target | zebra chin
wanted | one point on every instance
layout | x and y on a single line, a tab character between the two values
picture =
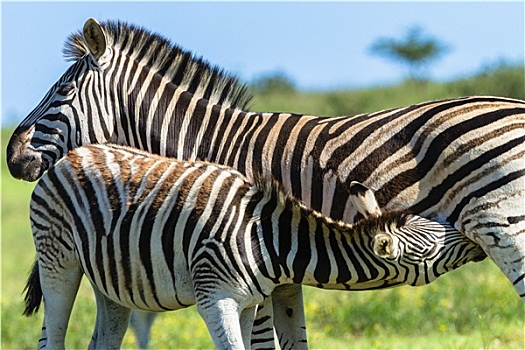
429	272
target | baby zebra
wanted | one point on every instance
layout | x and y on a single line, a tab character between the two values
158	234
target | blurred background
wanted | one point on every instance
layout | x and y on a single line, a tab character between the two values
338	58
312	47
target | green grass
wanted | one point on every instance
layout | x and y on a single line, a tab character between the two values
470	308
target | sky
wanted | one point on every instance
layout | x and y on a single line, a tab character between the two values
320	46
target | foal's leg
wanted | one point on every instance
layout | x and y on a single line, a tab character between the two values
289	319
111	324
246	321
141	323
59	289
283	310
222	317
263	334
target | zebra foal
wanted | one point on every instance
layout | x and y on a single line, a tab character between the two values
158	234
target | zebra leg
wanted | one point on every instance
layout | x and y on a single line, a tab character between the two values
246	322
42	341
289	319
59	289
263	334
222	317
111	323
141	323
507	252
496	222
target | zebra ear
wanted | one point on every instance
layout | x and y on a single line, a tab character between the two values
95	38
364	199
383	245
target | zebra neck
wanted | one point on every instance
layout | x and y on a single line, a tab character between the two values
252	142
163	118
315	250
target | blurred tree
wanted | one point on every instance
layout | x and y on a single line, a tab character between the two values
415	50
275	82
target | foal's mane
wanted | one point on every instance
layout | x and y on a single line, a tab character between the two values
183	68
270	188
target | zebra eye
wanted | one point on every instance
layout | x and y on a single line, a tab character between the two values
66	89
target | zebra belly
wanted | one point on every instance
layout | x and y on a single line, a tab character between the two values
139	280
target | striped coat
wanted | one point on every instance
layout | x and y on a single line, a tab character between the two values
159	234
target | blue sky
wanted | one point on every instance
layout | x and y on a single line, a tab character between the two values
319	45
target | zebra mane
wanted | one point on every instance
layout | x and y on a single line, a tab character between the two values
183	68
366	226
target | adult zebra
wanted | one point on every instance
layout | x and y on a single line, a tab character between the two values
458	161
161	234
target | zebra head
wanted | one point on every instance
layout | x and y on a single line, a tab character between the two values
124	87
70	114
425	247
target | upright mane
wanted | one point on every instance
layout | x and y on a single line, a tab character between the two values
183	68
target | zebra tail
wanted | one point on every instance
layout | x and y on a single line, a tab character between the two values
33	289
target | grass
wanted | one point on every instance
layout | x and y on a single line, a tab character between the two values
470	308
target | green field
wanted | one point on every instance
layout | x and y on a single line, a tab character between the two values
473	307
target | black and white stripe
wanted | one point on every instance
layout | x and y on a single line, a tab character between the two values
458	161
158	234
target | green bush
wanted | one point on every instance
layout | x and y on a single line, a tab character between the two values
502	79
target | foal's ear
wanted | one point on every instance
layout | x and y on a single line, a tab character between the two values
364	199
95	38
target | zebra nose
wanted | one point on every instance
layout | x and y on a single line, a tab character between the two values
22	164
12	155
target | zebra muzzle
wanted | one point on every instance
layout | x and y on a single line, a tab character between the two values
23	163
